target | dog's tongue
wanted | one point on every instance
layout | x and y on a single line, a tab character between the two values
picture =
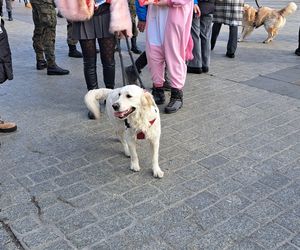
120	114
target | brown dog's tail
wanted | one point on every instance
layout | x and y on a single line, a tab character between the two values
289	9
92	99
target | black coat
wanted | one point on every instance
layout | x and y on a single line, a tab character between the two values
6	71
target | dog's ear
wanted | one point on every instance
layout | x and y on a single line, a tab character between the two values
147	100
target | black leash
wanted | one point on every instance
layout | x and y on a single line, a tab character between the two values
132	61
257	4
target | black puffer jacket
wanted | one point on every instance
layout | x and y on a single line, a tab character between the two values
6	71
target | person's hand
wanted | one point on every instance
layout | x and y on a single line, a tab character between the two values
197	10
141	26
147	2
161	2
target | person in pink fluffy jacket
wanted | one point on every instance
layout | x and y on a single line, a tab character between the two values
168	42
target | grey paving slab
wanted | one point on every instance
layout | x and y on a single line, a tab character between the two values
230	155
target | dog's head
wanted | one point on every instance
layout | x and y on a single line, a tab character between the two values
249	13
130	99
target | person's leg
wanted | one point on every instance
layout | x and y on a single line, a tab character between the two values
73	52
194	66
107	55
205	35
232	41
297	51
156	65
88	48
37	38
48	15
1	7
215	33
9	9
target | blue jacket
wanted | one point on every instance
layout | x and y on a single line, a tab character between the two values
141	11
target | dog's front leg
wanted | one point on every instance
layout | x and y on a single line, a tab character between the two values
121	134
157	172
134	164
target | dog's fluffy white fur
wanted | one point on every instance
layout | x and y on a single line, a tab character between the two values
137	107
272	19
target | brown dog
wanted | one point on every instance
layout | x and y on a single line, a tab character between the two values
272	19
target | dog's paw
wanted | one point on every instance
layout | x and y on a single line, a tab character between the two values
158	173
135	167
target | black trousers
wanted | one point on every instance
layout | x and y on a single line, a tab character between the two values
232	40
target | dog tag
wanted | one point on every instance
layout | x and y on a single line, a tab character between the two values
140	136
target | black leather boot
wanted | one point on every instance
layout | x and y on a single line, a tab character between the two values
176	101
134	47
9	16
56	70
90	75
73	52
41	64
158	95
109	75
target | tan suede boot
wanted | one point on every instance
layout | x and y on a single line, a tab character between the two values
7	127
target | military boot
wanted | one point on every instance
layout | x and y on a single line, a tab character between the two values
41	64
176	101
56	70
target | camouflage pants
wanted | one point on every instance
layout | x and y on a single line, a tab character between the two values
44	19
131	4
70	40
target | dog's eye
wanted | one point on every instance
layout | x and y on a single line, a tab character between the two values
128	96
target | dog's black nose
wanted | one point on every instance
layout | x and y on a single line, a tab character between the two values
116	106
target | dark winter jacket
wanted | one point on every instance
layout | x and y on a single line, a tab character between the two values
6	71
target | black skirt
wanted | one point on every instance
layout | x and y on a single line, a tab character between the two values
96	27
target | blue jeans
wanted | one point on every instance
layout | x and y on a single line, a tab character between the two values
201	34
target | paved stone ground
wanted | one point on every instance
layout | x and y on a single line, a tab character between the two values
231	156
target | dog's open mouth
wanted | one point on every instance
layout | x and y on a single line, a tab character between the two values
124	114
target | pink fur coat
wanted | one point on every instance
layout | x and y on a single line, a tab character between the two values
82	10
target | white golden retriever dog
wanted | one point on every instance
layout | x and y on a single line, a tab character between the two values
134	114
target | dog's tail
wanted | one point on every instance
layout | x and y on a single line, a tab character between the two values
289	9
92	99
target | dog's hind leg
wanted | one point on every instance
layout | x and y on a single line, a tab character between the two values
271	34
157	172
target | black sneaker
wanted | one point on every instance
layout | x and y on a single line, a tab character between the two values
297	52
194	70
41	64
230	55
75	53
55	70
158	95
176	101
205	69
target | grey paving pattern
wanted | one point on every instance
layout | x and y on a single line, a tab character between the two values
231	156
